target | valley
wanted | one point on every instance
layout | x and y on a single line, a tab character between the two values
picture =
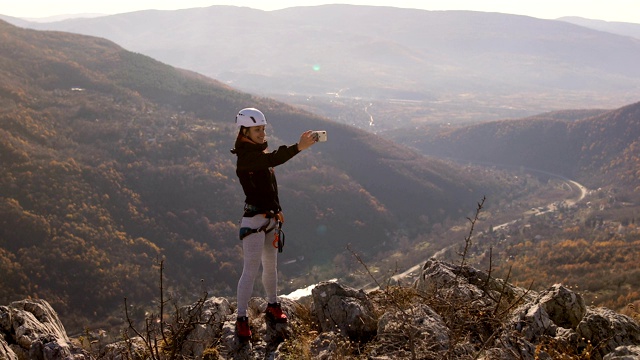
571	194
587	239
445	111
104	183
577	194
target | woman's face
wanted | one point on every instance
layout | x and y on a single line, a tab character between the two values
257	134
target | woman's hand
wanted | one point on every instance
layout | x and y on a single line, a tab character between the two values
306	140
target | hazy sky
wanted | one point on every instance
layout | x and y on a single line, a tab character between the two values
609	10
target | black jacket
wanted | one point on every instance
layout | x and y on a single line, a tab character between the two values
255	171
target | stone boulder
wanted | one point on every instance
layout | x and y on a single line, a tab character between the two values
207	321
452	312
31	329
628	352
344	310
467	284
419	328
552	316
134	349
564	307
5	350
553	308
555	316
608	330
559	316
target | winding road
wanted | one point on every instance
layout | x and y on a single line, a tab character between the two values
574	185
572	200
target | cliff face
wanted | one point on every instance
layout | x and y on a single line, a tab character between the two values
450	312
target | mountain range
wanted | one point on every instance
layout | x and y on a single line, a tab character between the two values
597	147
113	161
614	27
453	66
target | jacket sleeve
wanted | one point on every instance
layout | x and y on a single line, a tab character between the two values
256	160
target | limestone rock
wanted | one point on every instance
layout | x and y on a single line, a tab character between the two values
628	352
607	330
564	307
5	350
452	312
134	349
31	329
207	323
553	308
344	310
419	326
467	284
440	278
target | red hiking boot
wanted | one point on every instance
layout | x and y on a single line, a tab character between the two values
243	331
275	314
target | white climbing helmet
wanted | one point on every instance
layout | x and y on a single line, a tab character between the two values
250	117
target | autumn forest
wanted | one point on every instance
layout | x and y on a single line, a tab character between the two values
112	162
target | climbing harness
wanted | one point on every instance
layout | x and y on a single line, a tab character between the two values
246	231
251	211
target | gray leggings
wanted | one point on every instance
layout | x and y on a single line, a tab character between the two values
257	248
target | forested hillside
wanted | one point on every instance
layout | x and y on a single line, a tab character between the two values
591	246
599	148
112	161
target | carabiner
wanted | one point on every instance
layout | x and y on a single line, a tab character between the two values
278	238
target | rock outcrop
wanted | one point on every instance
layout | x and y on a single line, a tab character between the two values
451	312
343	310
31	329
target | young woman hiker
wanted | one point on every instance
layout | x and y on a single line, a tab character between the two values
262	211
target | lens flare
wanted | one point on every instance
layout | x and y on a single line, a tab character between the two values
321	229
316	67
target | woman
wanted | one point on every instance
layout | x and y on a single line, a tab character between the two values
261	211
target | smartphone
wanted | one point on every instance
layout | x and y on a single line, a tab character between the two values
320	135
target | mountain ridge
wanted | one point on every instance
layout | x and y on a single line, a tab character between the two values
615	27
595	147
443	55
112	161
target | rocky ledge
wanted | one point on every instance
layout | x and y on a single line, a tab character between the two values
450	312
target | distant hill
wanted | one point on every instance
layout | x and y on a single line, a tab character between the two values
597	147
614	27
16	21
454	66
25	21
112	161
